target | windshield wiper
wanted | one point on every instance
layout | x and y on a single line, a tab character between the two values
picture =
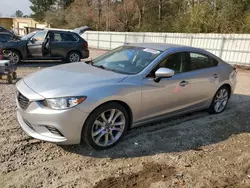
108	69
102	67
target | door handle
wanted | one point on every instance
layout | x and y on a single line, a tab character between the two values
184	83
216	76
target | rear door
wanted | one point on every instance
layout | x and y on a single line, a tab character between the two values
204	78
35	44
61	43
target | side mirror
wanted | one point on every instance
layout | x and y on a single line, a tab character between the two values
163	73
32	40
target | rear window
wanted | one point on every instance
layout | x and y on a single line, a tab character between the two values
68	37
64	37
199	61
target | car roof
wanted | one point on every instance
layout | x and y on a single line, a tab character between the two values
159	46
60	31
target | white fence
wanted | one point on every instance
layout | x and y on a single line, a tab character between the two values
232	48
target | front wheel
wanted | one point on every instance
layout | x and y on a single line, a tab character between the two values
105	126
220	100
15	57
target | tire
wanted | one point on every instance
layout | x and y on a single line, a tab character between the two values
15	57
73	56
219	105
9	79
95	131
14	75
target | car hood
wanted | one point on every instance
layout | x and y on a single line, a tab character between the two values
70	79
3	29
11	44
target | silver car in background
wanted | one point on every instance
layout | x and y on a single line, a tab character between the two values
126	87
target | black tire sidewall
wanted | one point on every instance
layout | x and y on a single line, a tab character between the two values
87	129
212	106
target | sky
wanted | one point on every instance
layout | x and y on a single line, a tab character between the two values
9	7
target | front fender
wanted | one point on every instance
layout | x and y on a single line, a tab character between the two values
127	93
20	46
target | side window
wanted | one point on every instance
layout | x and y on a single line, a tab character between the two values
40	36
199	61
177	62
68	37
57	37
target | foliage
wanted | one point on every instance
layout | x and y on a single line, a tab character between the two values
191	16
18	14
39	7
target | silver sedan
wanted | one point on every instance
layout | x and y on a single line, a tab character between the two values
131	85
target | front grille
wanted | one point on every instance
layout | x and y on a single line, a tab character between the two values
23	101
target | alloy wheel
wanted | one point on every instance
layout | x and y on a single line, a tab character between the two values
108	127
74	57
221	100
14	57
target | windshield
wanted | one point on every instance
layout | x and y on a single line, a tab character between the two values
127	59
29	36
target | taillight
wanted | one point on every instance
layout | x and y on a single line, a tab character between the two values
85	44
1	54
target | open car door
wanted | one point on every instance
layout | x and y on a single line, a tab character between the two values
35	44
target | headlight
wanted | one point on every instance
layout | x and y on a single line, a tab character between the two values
63	103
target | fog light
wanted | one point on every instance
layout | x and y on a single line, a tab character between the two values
53	130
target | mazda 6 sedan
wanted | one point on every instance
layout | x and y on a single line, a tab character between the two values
132	85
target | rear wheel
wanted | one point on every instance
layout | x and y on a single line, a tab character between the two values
220	100
105	126
73	57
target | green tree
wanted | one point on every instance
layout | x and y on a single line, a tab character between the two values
18	13
40	7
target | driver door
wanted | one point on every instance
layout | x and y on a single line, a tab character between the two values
35	44
170	95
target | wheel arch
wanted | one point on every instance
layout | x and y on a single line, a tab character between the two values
75	50
123	104
15	50
229	88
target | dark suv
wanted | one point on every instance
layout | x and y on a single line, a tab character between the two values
48	45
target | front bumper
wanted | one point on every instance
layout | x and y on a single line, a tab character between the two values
57	126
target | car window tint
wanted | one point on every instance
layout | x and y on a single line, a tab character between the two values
199	61
40	36
5	37
68	37
177	62
57	37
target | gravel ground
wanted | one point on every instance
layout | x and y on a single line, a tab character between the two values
195	150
